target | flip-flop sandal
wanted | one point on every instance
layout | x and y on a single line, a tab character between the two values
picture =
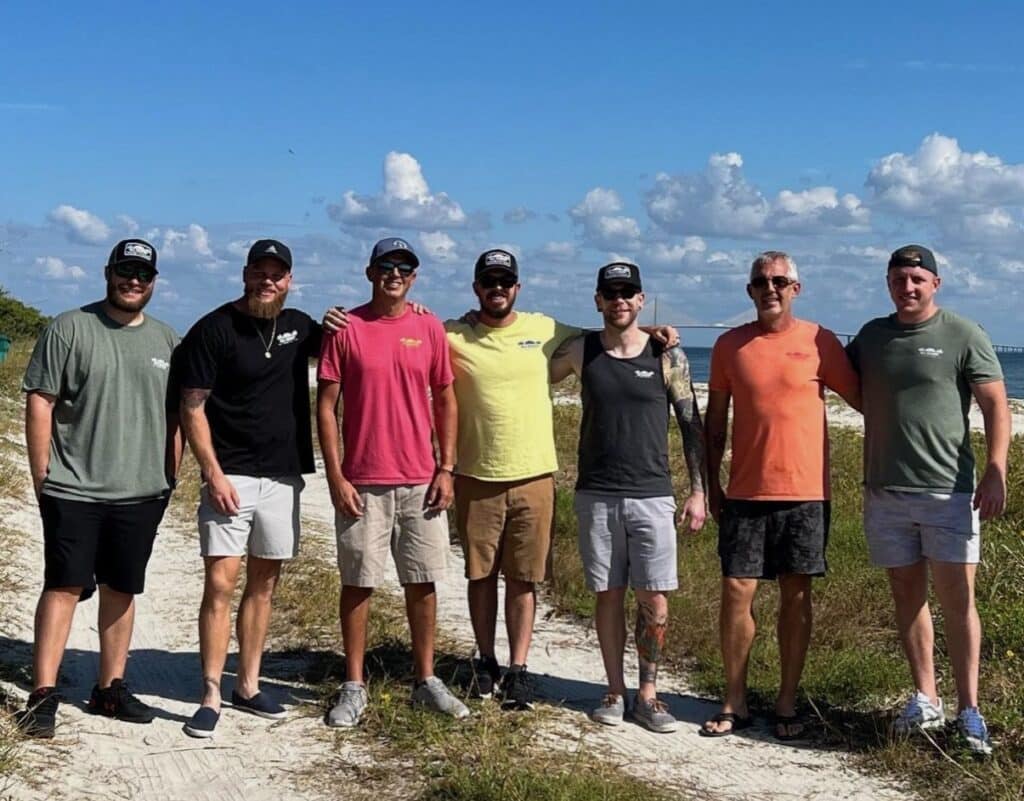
738	724
787	721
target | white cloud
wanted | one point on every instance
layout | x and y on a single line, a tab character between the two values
439	246
519	215
52	267
170	243
406	202
664	253
820	207
558	251
80	225
603	226
127	224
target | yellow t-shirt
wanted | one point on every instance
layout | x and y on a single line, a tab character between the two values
501	383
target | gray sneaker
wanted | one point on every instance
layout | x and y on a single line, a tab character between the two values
654	715
611	712
919	713
433	695
351	704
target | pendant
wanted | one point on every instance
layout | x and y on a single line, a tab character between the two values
266	354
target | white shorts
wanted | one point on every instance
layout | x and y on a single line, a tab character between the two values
267	523
903	527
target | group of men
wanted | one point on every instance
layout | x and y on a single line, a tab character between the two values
105	398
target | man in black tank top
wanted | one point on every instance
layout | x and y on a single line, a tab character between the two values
624	496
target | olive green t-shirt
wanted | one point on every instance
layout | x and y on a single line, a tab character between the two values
915	384
109	421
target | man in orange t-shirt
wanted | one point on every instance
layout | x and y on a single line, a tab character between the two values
774	518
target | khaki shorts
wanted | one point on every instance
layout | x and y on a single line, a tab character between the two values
904	527
394	517
506	525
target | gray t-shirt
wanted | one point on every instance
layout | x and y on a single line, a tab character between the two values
109	421
915	383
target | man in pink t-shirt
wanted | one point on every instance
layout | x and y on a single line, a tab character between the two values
391	369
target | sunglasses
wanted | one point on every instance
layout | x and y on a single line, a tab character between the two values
141	273
778	281
492	281
385	267
626	293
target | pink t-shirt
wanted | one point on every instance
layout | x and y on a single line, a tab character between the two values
387	368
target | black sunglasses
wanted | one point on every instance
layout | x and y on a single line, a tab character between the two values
405	270
778	281
492	281
626	293
140	272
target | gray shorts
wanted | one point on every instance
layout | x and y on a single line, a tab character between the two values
627	541
267	523
395	518
904	527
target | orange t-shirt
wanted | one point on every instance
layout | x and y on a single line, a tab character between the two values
777	383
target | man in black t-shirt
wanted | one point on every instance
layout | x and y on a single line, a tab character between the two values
245	408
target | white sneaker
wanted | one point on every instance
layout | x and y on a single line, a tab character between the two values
919	713
433	695
972	728
350	706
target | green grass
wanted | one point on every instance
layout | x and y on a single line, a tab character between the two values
856	673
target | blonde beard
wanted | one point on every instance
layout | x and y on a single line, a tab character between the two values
265	310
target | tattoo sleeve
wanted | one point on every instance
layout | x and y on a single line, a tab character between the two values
684	402
650	641
193	399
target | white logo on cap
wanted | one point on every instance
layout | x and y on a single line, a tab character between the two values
498	258
138	251
398	243
617	271
271	249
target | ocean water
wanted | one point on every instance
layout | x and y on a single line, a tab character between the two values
1013	369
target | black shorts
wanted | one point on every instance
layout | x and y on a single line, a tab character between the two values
85	544
765	539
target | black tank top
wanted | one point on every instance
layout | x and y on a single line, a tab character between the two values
624	429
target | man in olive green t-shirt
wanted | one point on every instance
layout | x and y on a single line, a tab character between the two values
919	369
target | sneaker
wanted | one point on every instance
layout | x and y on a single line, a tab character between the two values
202	723
919	713
654	715
39	717
611	712
433	695
517	688
486	674
349	708
972	728
117	701
260	704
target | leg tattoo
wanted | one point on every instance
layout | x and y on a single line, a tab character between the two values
650	641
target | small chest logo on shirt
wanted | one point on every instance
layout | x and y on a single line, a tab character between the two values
287	338
930	353
798	355
410	342
529	343
160	364
644	373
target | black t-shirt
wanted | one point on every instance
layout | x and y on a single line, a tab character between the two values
258	407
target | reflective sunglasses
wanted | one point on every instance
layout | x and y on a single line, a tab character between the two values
626	293
140	272
778	281
385	267
492	281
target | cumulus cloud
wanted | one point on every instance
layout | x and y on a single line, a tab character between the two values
678	253
127	224
52	267
558	251
439	246
171	243
603	227
80	225
405	202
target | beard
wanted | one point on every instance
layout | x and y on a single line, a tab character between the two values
621	323
264	309
125	305
499	313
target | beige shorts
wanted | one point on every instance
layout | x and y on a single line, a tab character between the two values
506	525
394	517
267	523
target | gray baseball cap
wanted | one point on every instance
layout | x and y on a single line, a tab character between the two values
394	245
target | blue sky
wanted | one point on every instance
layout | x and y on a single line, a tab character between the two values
684	137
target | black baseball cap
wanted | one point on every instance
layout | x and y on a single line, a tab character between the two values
269	249
394	245
619	272
138	251
496	259
913	256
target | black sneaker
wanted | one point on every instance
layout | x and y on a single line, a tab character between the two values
486	674
517	688
117	702
39	717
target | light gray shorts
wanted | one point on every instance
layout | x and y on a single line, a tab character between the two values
267	523
903	527
627	541
394	517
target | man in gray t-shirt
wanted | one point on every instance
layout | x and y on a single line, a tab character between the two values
103	452
919	369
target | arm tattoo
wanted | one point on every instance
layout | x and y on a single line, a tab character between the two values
684	402
193	399
650	641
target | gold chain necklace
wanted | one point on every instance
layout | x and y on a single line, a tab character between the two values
266	344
